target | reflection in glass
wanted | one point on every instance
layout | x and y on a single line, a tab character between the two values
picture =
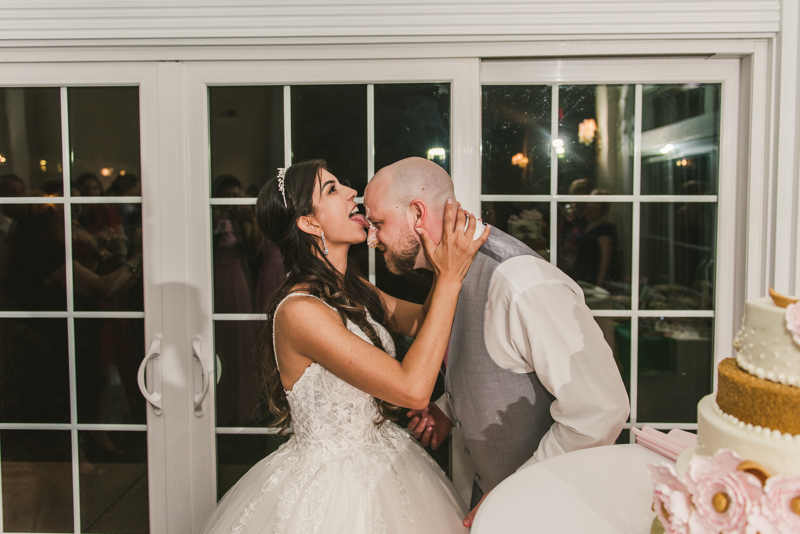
236	454
113	482
36	480
617	332
330	122
676	366
248	268
678	250
32	264
104	140
516	139
594	249
107	254
527	221
412	120
107	356
239	393
30	141
246	126
596	136
680	139
34	371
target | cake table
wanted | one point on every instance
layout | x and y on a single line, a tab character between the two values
603	490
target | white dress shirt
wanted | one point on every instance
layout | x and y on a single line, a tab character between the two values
536	320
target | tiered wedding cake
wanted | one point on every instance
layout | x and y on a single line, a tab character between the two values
756	410
744	475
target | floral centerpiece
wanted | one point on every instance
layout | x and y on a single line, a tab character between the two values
724	494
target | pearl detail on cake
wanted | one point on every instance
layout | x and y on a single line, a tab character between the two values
756	429
775	375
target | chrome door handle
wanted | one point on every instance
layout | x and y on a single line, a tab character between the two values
155	397
205	377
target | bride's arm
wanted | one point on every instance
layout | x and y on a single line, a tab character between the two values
312	331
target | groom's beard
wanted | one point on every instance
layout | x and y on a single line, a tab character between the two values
402	261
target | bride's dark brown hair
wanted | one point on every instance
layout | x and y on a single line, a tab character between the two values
308	267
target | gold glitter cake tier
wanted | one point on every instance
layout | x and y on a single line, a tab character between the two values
758	402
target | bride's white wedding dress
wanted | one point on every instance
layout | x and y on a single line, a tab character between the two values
340	473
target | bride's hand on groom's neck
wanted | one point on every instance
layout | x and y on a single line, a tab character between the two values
451	258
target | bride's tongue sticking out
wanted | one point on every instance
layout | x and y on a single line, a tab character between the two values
360	219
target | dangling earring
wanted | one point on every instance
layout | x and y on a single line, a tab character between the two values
324	246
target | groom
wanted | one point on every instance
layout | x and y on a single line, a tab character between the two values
528	374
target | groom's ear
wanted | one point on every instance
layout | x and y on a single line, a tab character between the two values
420	211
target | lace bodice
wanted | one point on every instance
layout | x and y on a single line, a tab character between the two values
329	412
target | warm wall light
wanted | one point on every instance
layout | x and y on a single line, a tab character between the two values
106	171
122	172
43	164
2	158
587	131
436	153
519	160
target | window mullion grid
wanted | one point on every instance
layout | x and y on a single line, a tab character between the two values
553	176
73	384
371	164
636	241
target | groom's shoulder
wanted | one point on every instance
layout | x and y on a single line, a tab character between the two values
519	274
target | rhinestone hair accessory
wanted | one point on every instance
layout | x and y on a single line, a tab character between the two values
281	187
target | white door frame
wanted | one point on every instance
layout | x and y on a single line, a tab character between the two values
144	75
462	74
732	181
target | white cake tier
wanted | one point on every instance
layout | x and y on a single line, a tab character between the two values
715	431
764	344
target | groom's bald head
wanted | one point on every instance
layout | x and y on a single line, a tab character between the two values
403	196
410	179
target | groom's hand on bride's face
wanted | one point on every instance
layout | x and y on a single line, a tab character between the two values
430	426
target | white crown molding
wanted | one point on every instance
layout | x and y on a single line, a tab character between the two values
175	22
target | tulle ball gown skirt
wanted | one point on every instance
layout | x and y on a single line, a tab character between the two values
386	485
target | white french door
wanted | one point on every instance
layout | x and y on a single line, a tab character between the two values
622	172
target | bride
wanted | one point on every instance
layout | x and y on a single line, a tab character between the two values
331	373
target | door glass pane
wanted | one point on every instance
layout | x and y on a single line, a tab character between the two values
516	139
104	140
680	139
246	125
30	141
113	482
37	481
330	122
103	275
594	249
32	264
676	362
596	130
34	371
678	251
247	267
239	395
527	221
412	119
107	254
107	356
617	333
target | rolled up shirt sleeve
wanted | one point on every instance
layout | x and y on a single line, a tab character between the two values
536	320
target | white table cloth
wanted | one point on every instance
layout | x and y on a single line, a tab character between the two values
605	490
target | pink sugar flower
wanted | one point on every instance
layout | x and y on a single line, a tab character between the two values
779	492
671	500
793	321
724	498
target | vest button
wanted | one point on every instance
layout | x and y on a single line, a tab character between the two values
458	424
449	396
466	451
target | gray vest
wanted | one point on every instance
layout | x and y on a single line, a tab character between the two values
502	415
